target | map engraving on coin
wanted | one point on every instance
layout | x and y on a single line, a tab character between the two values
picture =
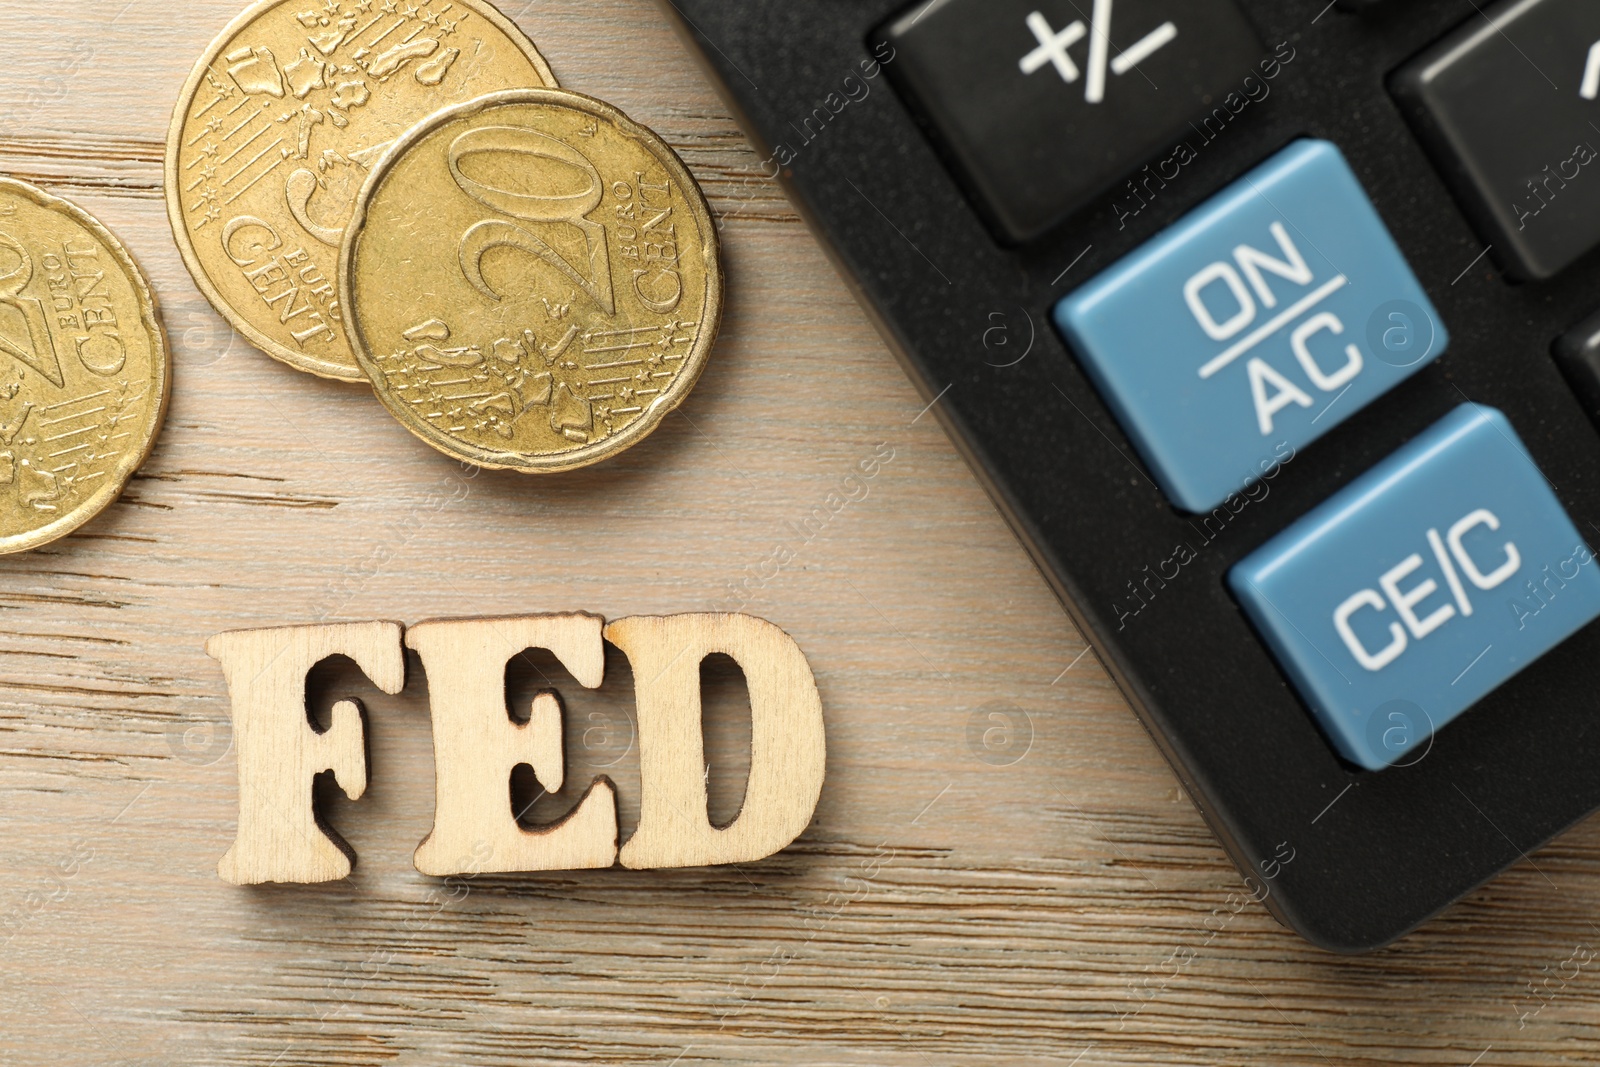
275	133
533	281
84	367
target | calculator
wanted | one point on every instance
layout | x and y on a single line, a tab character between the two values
1273	329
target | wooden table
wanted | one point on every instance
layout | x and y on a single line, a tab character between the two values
1002	870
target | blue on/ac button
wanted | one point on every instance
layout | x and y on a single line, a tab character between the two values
1421	586
1263	319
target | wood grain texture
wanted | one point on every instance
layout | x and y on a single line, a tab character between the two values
787	755
477	746
281	837
1001	870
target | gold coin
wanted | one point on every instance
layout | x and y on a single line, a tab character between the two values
274	134
532	280
83	367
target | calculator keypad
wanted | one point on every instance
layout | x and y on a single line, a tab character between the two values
1509	107
1041	104
1146	583
1255	325
1421	587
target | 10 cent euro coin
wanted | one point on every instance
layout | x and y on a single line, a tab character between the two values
532	280
276	130
84	367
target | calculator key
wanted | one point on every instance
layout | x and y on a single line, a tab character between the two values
1509	106
1041	104
1578	355
1253	326
1420	587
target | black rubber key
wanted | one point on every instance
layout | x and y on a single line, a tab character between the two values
1509	107
1041	104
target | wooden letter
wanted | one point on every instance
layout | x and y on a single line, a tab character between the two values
476	746
787	753
280	752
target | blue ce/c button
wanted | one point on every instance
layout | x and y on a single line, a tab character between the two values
1265	318
1421	586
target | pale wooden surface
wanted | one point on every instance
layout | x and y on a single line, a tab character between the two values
477	747
786	757
281	838
941	910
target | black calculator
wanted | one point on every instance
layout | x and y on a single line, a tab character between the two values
1273	328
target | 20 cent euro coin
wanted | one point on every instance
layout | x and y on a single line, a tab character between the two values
276	130
84	367
532	280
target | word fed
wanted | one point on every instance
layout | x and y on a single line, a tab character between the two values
477	743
